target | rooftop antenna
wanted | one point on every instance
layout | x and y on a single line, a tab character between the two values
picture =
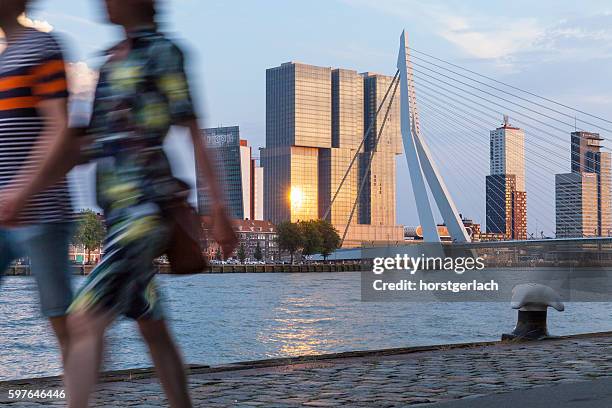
506	121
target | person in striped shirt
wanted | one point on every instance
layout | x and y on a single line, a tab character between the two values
143	91
33	114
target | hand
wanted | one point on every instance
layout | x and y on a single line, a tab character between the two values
11	203
223	231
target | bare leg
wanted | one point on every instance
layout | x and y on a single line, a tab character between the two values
167	360
86	331
60	328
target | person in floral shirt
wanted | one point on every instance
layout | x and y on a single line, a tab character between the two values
142	92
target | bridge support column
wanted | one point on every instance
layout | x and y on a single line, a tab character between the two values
420	163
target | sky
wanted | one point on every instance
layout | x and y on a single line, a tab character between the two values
560	49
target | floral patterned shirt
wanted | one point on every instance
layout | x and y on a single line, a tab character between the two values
138	97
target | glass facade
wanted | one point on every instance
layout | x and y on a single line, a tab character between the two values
507	153
499	204
277	180
257	192
298	106
280	106
506	199
375	87
224	145
315	119
379	188
506	209
333	164
586	158
302	193
347	109
576	205
312	106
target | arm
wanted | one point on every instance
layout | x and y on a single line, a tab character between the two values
167	65
55	151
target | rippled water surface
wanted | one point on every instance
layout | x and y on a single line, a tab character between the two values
227	318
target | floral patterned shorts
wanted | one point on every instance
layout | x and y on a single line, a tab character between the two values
123	283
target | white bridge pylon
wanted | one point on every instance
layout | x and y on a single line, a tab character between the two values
420	162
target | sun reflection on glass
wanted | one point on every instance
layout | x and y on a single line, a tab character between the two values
296	197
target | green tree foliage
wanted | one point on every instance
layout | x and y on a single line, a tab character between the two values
258	254
241	253
218	254
330	240
90	232
311	236
289	238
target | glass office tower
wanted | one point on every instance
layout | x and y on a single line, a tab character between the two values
315	122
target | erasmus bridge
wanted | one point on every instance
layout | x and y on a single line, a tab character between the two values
437	98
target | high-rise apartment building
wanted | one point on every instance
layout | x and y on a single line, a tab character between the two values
576	205
234	166
582	197
586	147
507	152
506	198
506	207
315	122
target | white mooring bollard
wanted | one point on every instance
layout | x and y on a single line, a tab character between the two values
532	301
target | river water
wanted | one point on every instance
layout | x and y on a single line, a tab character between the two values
237	317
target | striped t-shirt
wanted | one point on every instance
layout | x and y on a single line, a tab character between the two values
32	70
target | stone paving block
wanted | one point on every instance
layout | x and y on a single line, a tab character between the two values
402	380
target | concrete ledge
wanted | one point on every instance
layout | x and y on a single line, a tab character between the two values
146	373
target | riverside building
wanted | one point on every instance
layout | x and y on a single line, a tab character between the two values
240	177
251	233
506	199
582	197
316	118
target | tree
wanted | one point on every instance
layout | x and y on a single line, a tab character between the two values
218	254
241	254
311	236
330	238
289	237
90	232
257	254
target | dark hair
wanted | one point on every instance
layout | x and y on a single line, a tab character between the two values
150	9
25	4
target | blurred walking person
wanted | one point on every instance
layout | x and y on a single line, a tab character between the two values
33	115
142	92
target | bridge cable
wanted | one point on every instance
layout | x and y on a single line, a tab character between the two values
497	190
486	107
506	92
537	164
428	97
491	102
363	140
513	87
367	171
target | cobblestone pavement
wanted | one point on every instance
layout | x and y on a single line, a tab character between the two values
413	377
